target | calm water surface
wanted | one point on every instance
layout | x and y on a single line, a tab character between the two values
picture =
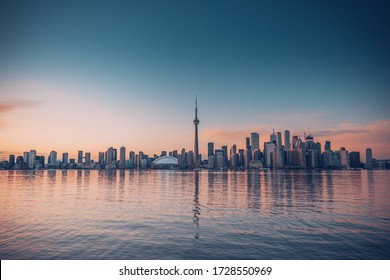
79	214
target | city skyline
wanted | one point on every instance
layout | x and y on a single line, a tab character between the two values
87	76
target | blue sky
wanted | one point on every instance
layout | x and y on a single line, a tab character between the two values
298	65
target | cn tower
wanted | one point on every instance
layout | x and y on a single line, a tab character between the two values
196	122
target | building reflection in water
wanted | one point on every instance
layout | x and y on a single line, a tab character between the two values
196	209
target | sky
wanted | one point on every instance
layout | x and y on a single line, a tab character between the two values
88	75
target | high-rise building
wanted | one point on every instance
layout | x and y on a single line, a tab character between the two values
11	161
140	158
110	155
101	158
287	143
255	142
65	158
132	157
327	146
248	147
272	137
196	144
80	157
279	141
354	160
210	149
247	143
122	158
220	158
114	155
225	153
268	149
344	158
53	157
368	158
233	149
31	159
26	158
295	142
87	158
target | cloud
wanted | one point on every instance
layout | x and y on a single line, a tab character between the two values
8	106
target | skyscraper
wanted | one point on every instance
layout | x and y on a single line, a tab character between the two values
65	158
53	157
327	146
287	143
87	158
196	123
247	143
279	141
255	141
272	137
354	160
31	159
122	158
80	157
368	158
210	149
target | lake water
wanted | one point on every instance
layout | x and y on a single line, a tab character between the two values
75	214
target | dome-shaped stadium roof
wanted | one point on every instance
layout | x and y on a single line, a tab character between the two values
165	160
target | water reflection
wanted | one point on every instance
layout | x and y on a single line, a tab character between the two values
196	208
246	214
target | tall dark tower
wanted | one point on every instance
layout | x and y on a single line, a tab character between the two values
196	150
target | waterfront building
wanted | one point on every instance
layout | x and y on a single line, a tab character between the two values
268	149
190	159
344	158
65	158
255	142
140	159
234	160
295	142
241	161
165	162
25	159
53	158
368	158
87	158
211	162
101	158
247	143
132	157
279	143
210	149
31	159
354	160
114	155
80	157
122	157
39	162
327	146
233	150
287	142
225	154
272	137
11	161
247	157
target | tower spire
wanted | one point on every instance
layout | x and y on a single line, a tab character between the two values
196	122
